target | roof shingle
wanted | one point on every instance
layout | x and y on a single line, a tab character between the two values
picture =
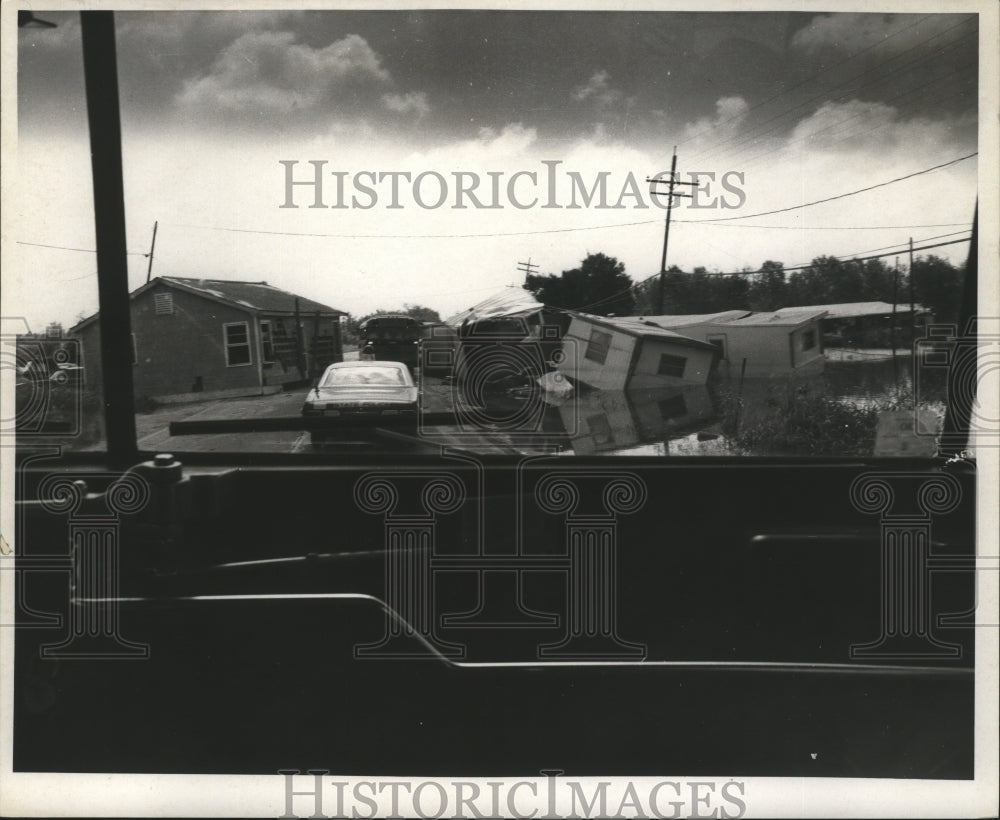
254	295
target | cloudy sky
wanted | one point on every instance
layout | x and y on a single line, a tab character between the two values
530	112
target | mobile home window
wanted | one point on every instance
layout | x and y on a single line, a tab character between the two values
266	342
237	344
809	340
671	365
598	346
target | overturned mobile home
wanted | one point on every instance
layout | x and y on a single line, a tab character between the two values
613	353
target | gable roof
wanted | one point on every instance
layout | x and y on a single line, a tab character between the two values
255	297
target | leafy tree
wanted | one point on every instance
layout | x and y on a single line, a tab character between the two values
877	281
728	293
647	293
695	292
937	285
827	281
424	314
600	286
767	291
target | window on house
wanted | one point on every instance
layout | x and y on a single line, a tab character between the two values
135	352
266	342
163	304
598	346
237	344
809	340
671	365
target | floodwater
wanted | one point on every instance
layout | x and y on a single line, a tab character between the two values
860	379
708	420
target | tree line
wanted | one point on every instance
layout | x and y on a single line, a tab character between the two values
601	286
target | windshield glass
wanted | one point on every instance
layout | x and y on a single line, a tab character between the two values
781	285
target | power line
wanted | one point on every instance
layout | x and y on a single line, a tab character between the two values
587	228
792	269
421	236
843	196
829	227
64	248
844	258
898	244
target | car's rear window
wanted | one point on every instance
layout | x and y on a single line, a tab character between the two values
388	376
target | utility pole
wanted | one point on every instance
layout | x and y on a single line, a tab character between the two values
671	183
895	296
913	307
152	247
892	331
526	268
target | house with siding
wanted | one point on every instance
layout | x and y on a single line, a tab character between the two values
628	353
211	338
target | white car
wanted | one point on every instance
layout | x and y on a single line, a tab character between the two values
364	389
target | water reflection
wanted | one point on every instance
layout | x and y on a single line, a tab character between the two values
796	416
614	422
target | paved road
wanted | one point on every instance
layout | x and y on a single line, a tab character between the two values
154	433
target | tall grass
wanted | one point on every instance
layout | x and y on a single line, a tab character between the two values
797	422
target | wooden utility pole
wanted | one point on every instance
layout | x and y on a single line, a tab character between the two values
892	331
300	352
100	73
895	296
671	183
527	268
152	247
913	307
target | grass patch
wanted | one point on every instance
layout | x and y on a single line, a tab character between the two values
797	422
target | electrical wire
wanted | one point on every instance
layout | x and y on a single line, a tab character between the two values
841	196
792	269
81	250
587	228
